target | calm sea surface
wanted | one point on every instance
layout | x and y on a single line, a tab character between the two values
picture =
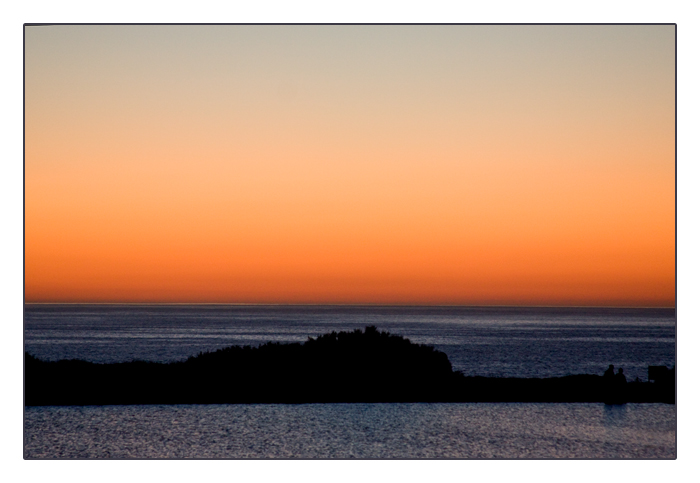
476	430
515	342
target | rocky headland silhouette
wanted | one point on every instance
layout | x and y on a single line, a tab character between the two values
357	366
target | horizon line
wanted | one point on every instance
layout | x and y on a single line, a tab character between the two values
357	305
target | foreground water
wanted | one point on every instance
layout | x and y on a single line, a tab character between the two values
476	430
486	341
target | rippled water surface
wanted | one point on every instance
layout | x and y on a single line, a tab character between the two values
469	430
486	341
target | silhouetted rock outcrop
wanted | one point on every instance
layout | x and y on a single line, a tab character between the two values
369	366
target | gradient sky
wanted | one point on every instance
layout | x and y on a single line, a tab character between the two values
489	165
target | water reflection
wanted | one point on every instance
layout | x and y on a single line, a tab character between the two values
614	415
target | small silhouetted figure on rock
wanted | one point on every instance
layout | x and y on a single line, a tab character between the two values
620	387
609	372
608	383
620	379
615	386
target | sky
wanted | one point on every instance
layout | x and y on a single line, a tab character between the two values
475	165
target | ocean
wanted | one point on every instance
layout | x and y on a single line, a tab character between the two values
485	341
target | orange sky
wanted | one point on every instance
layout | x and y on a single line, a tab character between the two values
504	165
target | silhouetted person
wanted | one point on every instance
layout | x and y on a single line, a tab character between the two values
609	385
620	379
609	372
617	390
614	386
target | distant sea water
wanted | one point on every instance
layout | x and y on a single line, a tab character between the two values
486	341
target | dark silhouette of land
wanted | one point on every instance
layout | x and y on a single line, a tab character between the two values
369	366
